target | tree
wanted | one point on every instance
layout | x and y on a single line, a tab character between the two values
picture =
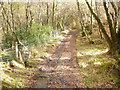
113	40
118	33
47	12
82	22
91	17
98	14
53	14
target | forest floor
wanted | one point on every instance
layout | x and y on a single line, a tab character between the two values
60	68
74	63
97	67
69	61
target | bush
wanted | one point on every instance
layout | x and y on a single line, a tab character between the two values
36	34
39	33
7	41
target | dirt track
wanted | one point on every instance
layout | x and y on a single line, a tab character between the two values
61	69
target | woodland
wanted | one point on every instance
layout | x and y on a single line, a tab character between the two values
60	44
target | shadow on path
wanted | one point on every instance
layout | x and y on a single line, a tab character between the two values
61	68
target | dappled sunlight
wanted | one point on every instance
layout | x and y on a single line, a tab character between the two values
6	78
82	64
1	74
67	44
85	73
70	36
60	37
80	54
58	42
16	78
64	43
97	63
40	59
12	82
54	58
66	55
65	58
65	31
62	67
95	52
17	64
2	64
65	74
48	54
91	52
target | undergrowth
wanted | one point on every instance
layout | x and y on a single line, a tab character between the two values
14	77
98	68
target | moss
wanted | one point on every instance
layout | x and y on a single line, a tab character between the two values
32	63
95	65
16	78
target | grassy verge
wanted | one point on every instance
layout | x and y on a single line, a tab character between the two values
16	78
97	67
19	77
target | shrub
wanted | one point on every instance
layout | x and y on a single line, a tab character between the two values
36	34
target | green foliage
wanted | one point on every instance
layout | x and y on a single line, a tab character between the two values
7	41
6	55
35	34
96	66
32	63
16	78
39	34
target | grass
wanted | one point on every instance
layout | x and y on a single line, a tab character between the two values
96	66
19	77
16	78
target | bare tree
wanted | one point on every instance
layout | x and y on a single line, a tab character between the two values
82	22
112	41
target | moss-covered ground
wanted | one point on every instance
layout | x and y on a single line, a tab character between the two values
97	67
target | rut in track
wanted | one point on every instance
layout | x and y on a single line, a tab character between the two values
61	67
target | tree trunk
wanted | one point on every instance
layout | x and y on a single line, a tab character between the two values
114	41
118	33
53	11
27	18
16	51
97	11
114	45
47	13
100	25
91	19
6	18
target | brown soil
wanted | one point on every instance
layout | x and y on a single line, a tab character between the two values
61	69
